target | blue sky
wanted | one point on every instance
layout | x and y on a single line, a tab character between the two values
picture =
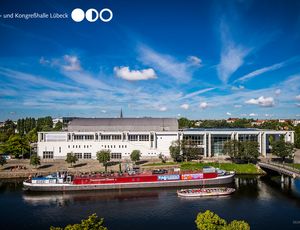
197	59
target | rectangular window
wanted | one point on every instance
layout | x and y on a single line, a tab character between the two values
133	137
48	155
144	138
78	155
116	137
116	155
59	149
87	155
105	137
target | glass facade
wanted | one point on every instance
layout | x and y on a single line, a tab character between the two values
248	137
194	139
217	143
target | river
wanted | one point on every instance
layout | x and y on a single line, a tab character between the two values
262	201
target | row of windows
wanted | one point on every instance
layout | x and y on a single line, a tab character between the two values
83	137
48	155
194	139
139	137
78	146
85	155
116	156
113	146
248	137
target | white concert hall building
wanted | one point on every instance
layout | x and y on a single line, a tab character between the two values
152	136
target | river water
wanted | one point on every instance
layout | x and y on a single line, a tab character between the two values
262	201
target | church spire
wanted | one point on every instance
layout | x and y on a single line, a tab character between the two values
121	114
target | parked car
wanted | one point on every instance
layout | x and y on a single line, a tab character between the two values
159	171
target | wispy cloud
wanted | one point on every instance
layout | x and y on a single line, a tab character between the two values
232	55
134	75
166	64
72	63
37	81
261	71
193	94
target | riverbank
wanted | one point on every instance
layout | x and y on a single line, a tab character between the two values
22	168
240	169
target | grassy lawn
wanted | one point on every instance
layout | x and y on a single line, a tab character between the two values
297	166
238	168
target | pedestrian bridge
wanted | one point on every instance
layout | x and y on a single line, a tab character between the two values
281	169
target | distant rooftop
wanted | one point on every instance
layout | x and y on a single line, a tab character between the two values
123	124
221	129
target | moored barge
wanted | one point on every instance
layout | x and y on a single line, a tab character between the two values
65	182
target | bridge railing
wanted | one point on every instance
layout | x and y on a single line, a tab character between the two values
282	166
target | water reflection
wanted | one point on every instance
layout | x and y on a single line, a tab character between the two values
261	201
62	199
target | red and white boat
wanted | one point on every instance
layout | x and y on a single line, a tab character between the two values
65	182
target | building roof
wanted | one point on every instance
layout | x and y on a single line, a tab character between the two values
123	124
222	129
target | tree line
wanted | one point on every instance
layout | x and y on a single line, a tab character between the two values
15	139
207	220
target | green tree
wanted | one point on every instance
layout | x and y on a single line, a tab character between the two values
7	130
103	156
211	221
135	155
71	158
184	123
175	151
91	223
238	225
190	150
232	148
35	160
249	151
2	160
163	158
58	126
32	136
16	145
297	136
282	149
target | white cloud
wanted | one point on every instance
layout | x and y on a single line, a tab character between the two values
197	93
72	63
162	109
262	101
298	97
203	105
195	61
229	114
253	115
134	75
269	115
278	91
185	106
260	71
165	64
103	111
232	57
237	106
44	61
240	87
267	69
